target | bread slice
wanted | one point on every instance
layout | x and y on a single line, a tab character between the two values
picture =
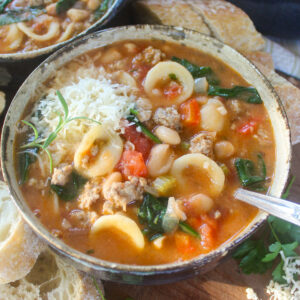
2	102
52	279
169	12
19	246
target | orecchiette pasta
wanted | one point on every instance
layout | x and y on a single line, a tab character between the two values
12	36
162	71
123	224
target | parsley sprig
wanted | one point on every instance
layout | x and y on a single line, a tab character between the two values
257	256
42	144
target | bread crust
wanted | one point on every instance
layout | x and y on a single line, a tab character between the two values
20	247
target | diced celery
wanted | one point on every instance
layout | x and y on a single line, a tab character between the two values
164	184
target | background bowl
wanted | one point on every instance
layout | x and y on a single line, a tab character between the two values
157	273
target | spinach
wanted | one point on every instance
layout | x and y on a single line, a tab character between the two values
20	15
247	173
198	71
71	189
104	6
188	229
64	5
133	118
151	213
3	4
247	94
26	158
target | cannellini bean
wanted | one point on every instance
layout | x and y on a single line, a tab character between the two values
124	78
160	160
110	55
77	15
160	72
123	224
167	135
51	9
114	177
130	47
201	85
158	243
213	115
203	164
200	204
93	4
223	149
109	148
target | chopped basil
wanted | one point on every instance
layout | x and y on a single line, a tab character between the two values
247	94
188	229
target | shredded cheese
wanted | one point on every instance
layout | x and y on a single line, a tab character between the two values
251	295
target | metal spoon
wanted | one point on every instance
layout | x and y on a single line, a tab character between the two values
280	208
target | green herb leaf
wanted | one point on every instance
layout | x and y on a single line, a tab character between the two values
26	158
19	15
36	134
104	6
278	273
288	249
270	257
63	103
133	118
247	94
3	4
70	190
289	186
98	288
173	76
63	5
188	229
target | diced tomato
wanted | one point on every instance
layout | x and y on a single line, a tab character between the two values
132	164
248	128
141	142
184	243
173	90
190	112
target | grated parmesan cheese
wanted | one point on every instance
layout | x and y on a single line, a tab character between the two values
251	295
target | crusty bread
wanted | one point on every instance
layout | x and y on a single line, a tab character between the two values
19	246
52	279
170	12
261	60
2	101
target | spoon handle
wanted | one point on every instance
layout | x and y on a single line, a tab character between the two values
280	208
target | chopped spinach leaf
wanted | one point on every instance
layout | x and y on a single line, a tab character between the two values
26	158
133	118
151	214
104	6
3	4
70	190
173	76
20	15
198	71
247	94
63	5
188	229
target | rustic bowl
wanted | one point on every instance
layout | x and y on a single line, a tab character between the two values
21	56
156	274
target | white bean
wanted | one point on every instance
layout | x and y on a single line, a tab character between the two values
213	115
110	55
160	160
200	204
77	15
223	149
168	135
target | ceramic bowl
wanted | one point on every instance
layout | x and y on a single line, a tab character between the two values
155	274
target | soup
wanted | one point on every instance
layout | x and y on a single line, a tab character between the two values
132	152
30	25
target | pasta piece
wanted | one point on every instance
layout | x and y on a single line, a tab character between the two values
98	152
161	72
122	224
213	115
67	34
203	164
124	78
11	36
53	31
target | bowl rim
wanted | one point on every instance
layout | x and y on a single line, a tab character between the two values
108	16
98	264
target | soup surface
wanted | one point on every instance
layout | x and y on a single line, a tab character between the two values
27	25
132	152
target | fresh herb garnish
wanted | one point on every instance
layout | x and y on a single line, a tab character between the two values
63	5
42	144
248	173
288	188
98	288
188	229
3	4
26	158
173	76
104	6
247	94
70	190
20	15
256	257
197	71
133	118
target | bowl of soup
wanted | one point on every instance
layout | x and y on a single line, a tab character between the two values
33	28
123	151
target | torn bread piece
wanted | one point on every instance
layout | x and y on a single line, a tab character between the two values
52	279
19	246
262	60
2	102
169	12
229	24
